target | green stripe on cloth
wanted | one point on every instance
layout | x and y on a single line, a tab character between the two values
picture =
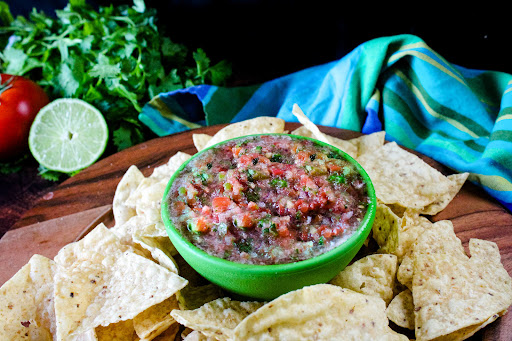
475	146
502	135
500	155
397	103
373	58
393	100
439	111
489	87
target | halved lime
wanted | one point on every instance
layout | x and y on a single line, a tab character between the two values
67	135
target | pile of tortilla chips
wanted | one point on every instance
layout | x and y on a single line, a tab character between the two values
129	283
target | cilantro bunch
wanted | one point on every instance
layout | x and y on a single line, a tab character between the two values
114	57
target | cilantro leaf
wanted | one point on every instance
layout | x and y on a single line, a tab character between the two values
47	174
104	68
5	14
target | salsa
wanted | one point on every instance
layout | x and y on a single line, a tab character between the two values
268	199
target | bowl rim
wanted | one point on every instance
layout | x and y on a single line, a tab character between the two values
362	231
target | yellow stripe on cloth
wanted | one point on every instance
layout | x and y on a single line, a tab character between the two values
164	110
430	110
509	89
495	182
409	50
504	117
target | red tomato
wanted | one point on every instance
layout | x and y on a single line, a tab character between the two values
246	221
221	204
201	225
20	101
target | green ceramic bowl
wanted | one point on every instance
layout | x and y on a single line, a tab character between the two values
266	282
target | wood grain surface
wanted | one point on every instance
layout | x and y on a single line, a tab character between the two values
474	213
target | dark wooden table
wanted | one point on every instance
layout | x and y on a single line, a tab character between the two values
19	192
52	215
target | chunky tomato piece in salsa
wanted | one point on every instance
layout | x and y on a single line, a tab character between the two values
268	199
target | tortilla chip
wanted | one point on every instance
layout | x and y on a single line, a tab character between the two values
345	146
368	143
454	295
120	331
386	229
200	140
195	335
439	235
89	335
150	190
156	319
413	225
161	250
168	335
315	312
401	310
405	270
100	289
354	147
26	302
309	129
258	125
192	297
402	178
139	226
92	248
217	318
147	197
372	275
129	182
456	183
165	171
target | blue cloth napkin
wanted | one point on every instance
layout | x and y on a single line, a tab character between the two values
457	116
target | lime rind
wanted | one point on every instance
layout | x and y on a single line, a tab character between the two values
68	135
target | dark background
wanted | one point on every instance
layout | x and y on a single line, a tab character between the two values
267	39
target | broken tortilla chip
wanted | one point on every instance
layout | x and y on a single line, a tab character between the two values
401	310
156	319
368	143
372	275
454	295
119	331
27	304
200	140
456	183
128	183
413	225
386	229
217	318
192	297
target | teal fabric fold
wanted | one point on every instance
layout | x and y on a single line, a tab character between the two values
457	116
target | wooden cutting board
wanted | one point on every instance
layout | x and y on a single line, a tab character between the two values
83	200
